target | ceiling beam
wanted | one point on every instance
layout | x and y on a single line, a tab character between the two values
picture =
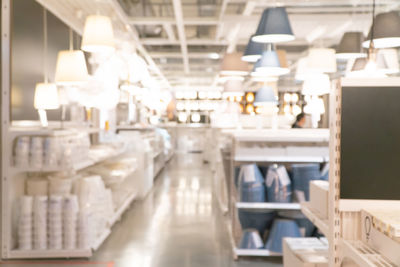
220	26
169	31
162	20
234	34
199	55
177	4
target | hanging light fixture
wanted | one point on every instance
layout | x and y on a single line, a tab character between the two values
46	94
274	27
318	84
302	70
321	60
265	96
385	30
233	65
386	62
98	35
253	51
71	65
233	88
270	63
350	46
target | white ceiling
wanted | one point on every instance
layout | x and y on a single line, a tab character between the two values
184	40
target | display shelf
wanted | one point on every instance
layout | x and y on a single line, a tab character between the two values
75	167
363	255
99	241
255	252
267	206
273	136
281	159
118	213
41	254
315	218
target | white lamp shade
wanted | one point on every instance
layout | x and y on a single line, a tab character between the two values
46	96
302	71
315	106
391	58
98	35
322	60
233	86
318	84
71	67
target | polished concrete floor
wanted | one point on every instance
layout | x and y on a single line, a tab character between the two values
177	225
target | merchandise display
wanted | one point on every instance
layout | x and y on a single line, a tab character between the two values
141	130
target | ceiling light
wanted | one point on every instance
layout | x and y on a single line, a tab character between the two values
269	64
386	31
264	96
274	27
71	67
321	60
98	35
387	62
233	65
195	117
253	51
213	55
318	84
182	117
350	46
46	96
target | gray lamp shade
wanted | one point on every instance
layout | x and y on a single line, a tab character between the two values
232	65
253	51
270	64
265	95
386	31
350	46
274	27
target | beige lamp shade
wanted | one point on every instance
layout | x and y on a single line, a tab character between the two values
322	60
233	65
71	67
46	96
98	35
302	70
233	86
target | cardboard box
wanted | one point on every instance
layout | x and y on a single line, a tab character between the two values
319	197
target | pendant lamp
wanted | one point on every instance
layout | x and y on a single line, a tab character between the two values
385	31
253	51
264	96
274	27
350	46
233	87
46	94
233	65
322	60
302	70
270	63
317	84
98	35
71	66
386	62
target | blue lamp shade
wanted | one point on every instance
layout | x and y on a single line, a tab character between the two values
281	228
302	175
386	31
251	239
274	27
270	64
265	96
251	184
260	220
253	51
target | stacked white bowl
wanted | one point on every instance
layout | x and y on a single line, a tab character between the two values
70	221
25	223
50	156
36	152
55	228
85	229
60	186
22	151
40	204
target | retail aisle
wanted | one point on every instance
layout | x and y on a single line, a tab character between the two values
177	225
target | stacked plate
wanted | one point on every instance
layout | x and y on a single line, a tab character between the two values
40	222
55	222
36	152
21	151
25	223
70	221
50	155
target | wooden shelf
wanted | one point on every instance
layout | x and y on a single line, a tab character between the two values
293	159
41	254
267	206
363	255
315	218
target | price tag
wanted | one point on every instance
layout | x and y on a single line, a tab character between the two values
283	176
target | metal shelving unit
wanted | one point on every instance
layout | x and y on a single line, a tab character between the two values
264	143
